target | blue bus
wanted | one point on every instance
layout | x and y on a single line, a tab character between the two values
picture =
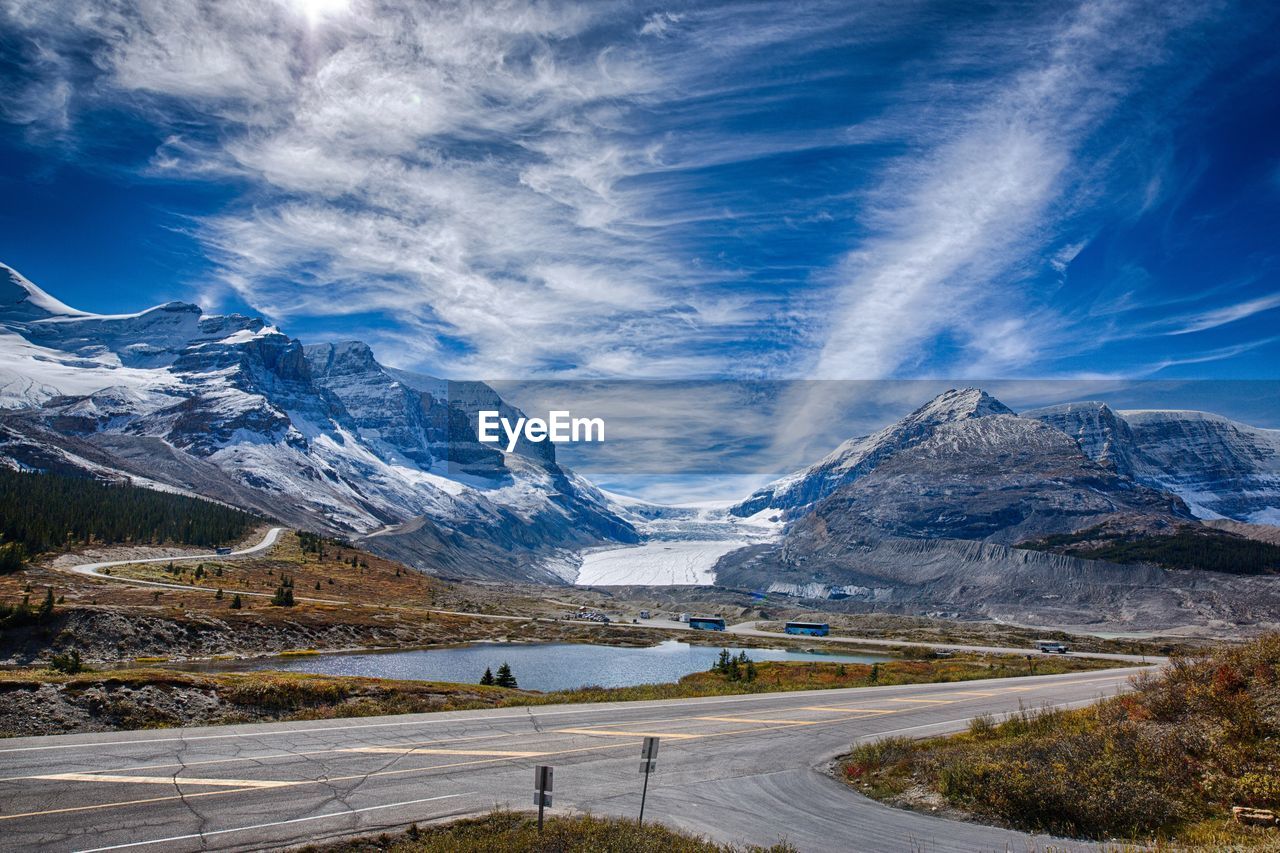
812	629
706	623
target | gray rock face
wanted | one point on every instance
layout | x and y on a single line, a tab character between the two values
923	516
1220	467
998	478
982	580
858	456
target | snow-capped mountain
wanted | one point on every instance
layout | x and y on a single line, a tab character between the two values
1220	467
858	456
231	408
937	513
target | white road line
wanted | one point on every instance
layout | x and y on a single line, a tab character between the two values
1119	677
194	835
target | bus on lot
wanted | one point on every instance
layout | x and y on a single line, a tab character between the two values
706	623
812	629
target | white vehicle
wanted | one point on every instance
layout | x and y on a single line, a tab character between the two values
1051	647
684	617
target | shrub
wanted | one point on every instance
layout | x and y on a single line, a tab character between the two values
1183	747
67	663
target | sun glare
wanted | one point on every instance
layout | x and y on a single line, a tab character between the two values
317	12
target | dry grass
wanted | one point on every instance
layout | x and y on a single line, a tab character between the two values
513	832
1164	762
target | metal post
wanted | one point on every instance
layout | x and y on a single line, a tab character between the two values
648	761
644	793
542	779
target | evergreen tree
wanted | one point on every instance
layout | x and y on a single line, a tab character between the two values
722	663
218	595
235	602
45	512
15	615
283	596
67	663
504	677
46	606
487	678
875	673
12	556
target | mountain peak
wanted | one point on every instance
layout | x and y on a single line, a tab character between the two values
960	404
22	301
341	358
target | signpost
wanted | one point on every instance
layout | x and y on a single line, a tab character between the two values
542	790
648	763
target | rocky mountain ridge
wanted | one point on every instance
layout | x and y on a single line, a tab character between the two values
322	437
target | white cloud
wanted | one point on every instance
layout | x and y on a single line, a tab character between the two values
960	226
1227	314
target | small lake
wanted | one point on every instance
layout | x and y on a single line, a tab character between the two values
537	666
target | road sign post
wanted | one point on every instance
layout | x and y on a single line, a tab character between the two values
541	790
648	763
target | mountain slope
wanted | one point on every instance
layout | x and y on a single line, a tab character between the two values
925	516
323	437
858	456
1220	467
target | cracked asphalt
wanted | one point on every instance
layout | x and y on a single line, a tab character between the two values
744	769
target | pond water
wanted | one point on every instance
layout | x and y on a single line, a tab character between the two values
537	666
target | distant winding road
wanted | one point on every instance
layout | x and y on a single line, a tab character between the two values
94	570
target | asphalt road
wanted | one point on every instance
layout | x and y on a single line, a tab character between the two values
739	769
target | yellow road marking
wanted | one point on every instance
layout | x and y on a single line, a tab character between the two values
456	764
971	693
754	720
928	701
618	733
841	709
430	751
163	780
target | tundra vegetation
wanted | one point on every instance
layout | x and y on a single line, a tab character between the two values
1165	762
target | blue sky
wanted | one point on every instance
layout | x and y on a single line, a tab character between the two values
761	189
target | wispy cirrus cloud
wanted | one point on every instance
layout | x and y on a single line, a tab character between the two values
613	189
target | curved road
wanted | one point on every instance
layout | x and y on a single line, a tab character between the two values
94	570
741	769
